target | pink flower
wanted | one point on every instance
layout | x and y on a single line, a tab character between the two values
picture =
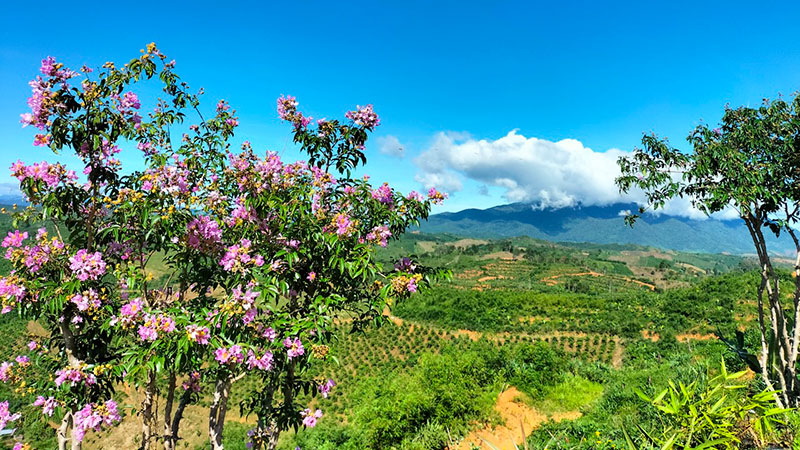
232	355
203	233
270	334
237	257
87	266
155	324
5	371
325	389
14	239
294	347
87	300
287	107
222	355
6	416
310	418
383	194
344	226
193	383
48	404
414	195
435	196
74	376
364	116
94	417
263	363
198	334
379	235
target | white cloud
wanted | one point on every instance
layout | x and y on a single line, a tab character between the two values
444	181
548	174
542	172
390	145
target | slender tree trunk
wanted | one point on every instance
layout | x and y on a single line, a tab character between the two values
216	415
171	441
148	422
168	438
273	433
61	434
778	367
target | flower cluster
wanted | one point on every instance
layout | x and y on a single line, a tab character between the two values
287	110
364	116
48	404
343	224
129	314
237	257
326	387
43	102
241	301
193	382
406	284
203	233
310	417
94	416
88	300
34	257
264	362
12	291
435	196
379	235
74	376
155	324
14	239
384	194
87	266
198	334
294	347
232	355
51	174
6	416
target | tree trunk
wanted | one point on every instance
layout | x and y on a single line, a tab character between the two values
778	368
168	438
148	422
216	415
61	434
171	441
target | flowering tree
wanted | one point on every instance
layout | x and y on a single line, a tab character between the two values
73	282
299	253
261	256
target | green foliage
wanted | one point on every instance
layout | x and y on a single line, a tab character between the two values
714	414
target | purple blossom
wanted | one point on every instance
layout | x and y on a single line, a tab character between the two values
364	116
94	417
294	347
14	239
310	418
6	416
48	404
325	388
87	266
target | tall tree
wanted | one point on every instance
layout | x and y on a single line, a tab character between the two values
750	164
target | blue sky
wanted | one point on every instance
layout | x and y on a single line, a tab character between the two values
450	80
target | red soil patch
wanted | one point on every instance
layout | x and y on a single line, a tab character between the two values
519	419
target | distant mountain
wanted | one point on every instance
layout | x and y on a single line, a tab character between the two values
603	225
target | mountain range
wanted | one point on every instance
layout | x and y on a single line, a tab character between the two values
603	225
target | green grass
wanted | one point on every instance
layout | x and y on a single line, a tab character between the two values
573	394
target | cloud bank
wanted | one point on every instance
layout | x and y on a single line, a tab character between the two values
390	145
544	173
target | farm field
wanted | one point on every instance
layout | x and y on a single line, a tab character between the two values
592	311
